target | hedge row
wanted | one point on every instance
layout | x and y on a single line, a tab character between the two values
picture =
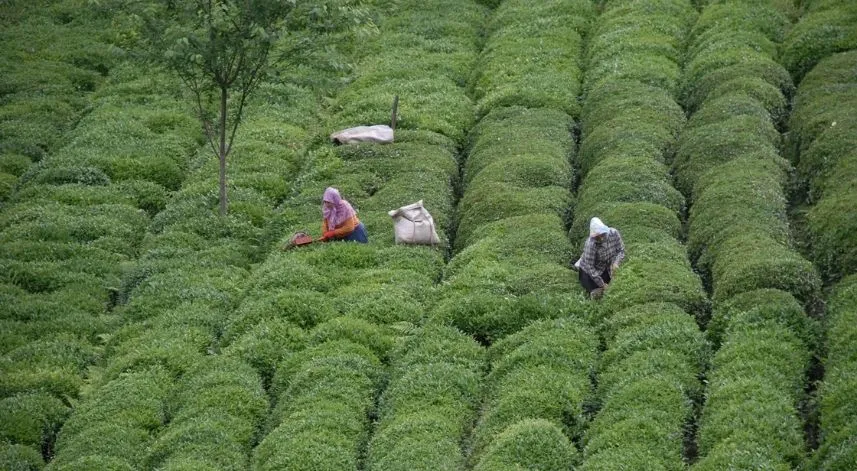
728	161
536	398
823	131
756	382
430	402
532	56
823	138
838	414
66	235
112	428
423	55
648	384
215	418
53	58
825	27
324	397
192	272
511	263
352	293
648	374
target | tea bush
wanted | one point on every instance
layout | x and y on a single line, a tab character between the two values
837	409
707	146
54	365
203	442
667	366
529	443
218	409
759	307
629	179
657	272
31	419
751	261
25	458
651	410
825	28
430	401
774	420
659	326
540	372
827	162
525	65
741	452
115	425
742	196
326	394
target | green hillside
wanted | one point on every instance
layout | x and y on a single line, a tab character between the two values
139	329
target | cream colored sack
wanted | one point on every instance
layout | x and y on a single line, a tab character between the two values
413	224
379	133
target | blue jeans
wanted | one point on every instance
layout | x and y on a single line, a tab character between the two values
358	235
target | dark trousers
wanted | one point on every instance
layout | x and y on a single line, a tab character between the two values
588	283
358	235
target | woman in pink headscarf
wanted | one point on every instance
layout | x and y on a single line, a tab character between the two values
340	220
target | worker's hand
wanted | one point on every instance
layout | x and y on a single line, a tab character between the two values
613	268
597	293
327	235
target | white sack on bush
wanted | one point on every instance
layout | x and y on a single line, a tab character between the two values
379	133
413	224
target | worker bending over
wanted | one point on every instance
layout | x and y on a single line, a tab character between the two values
602	254
340	220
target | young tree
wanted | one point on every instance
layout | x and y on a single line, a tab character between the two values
221	50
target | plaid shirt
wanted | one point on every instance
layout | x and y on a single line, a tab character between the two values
598	256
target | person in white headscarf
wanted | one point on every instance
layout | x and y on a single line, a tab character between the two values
603	252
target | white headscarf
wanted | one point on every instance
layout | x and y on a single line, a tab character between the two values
597	227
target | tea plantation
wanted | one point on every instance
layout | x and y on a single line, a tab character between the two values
141	330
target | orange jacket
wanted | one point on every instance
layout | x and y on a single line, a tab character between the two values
344	229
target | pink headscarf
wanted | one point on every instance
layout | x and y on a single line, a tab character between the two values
339	213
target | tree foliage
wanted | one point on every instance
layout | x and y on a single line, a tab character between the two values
223	49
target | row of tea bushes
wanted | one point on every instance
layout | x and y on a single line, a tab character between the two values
511	269
824	134
765	341
54	57
728	164
822	130
65	236
510	262
111	429
194	274
510	266
727	160
825	27
532	56
536	397
648	374
838	424
175	298
326	395
428	405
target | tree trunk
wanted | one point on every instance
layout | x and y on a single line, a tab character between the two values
222	151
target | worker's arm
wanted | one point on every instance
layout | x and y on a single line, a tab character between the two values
347	227
587	262
620	257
